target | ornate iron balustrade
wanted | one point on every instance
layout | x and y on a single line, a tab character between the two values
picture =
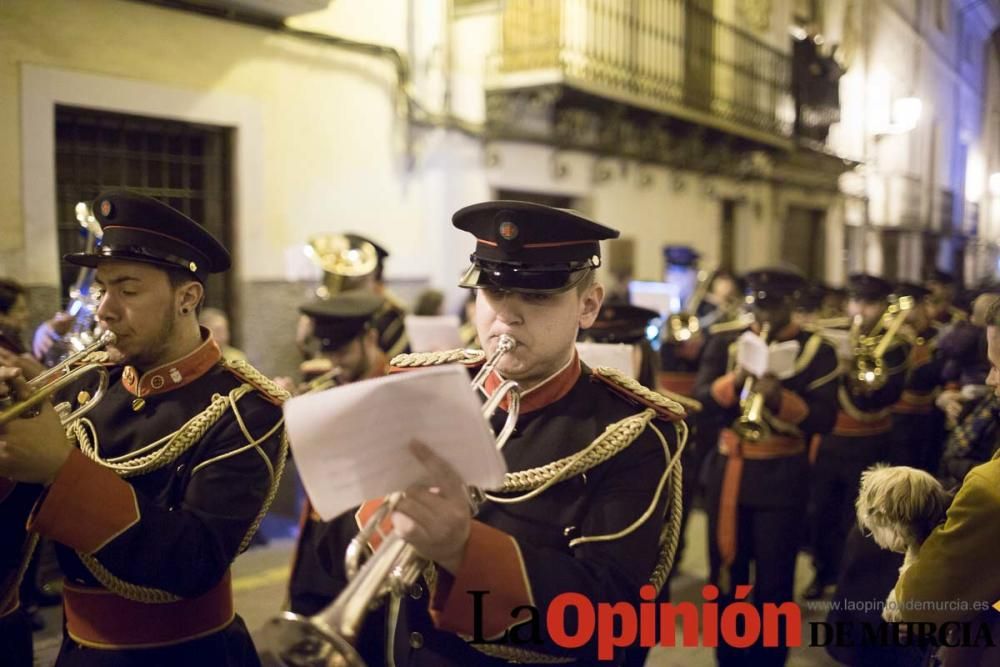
667	56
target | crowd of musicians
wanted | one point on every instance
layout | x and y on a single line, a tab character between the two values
150	492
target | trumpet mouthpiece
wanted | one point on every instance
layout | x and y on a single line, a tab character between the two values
506	343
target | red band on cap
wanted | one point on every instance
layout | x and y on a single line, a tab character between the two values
557	244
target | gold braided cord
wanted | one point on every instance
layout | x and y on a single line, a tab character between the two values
419	359
168	449
271	492
671	535
615	438
260	381
123	588
672	463
669	539
672	403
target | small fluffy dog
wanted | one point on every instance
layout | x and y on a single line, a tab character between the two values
900	506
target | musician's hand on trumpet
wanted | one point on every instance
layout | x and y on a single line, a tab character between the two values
769	386
435	517
32	449
30	366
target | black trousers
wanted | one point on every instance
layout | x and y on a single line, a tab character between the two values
867	575
836	477
768	540
15	640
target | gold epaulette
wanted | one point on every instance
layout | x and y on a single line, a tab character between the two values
670	407
425	359
268	389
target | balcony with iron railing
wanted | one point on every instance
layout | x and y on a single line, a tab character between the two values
670	58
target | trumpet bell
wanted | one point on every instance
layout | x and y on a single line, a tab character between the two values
293	640
680	328
750	430
869	374
335	253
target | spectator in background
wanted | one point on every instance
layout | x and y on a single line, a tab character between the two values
429	303
963	347
217	322
13	315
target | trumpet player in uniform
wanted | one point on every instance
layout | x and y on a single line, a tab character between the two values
941	300
594	531
392	336
756	479
166	479
344	328
918	426
868	571
352	262
860	435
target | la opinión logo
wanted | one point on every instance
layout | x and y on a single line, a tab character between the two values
572	621
617	625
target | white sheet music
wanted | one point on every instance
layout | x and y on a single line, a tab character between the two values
662	298
759	358
616	355
350	442
430	333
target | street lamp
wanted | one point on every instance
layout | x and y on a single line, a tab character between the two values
904	117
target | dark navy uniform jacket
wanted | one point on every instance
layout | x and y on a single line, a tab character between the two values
526	553
158	519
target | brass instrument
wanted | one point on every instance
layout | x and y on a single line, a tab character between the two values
57	378
683	326
83	299
342	259
868	372
327	639
841	322
750	425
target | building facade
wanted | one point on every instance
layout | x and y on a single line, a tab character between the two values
733	126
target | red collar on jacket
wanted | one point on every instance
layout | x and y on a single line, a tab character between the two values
545	393
175	374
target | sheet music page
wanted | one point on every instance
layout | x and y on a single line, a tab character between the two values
781	358
616	355
752	353
430	333
350	442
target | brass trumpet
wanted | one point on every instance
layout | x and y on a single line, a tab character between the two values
868	372
327	639
60	376
682	326
750	425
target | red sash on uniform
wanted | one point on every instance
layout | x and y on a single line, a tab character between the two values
98	618
735	450
852	426
915	403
